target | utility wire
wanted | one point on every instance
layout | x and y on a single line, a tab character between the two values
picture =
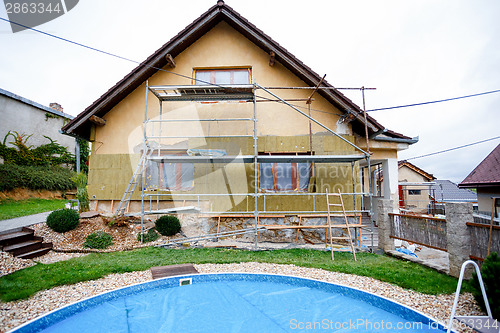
98	50
139	63
438	101
447	150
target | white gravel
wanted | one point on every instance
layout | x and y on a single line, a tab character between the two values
13	314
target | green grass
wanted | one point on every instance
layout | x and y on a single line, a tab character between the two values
10	209
26	282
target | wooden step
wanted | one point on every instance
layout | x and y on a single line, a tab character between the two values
16	237
46	247
24	247
172	270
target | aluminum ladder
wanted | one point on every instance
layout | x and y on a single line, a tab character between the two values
338	214
481	324
134	180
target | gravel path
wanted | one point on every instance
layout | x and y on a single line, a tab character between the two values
13	314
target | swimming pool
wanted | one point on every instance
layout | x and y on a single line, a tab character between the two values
234	302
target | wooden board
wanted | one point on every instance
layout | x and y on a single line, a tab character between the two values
279	226
172	270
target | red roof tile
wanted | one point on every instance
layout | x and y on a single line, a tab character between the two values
487	173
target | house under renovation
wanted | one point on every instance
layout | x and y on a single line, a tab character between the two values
224	122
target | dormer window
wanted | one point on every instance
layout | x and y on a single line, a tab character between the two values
223	76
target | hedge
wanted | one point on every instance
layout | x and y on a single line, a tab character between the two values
35	178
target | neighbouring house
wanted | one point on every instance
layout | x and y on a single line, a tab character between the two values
225	119
444	191
485	178
27	117
414	187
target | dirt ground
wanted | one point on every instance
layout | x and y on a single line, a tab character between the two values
124	233
23	194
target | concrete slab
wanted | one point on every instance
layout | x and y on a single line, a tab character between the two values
24	221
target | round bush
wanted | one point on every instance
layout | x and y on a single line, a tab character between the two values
98	240
168	225
63	220
149	236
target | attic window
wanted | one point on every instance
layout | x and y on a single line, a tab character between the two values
223	76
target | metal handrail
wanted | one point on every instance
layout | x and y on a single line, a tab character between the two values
459	287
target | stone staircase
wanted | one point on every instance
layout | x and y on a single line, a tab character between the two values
23	243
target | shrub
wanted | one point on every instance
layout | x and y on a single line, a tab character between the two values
80	181
98	240
63	220
168	225
490	271
35	178
20	153
149	236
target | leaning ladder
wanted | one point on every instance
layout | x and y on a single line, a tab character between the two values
482	324
134	180
337	214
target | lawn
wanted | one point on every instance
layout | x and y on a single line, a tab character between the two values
24	283
10	209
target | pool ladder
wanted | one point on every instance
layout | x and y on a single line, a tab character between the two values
481	324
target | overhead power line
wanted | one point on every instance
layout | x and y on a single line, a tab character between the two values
432	102
447	150
146	65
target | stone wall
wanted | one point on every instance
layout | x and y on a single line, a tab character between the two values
458	236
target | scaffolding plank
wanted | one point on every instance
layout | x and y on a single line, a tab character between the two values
203	159
173	210
203	92
260	159
321	226
309	158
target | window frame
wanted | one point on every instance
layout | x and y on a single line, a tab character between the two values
295	176
162	183
213	70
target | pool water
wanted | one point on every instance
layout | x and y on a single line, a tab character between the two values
235	303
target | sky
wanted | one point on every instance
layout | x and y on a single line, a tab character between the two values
410	51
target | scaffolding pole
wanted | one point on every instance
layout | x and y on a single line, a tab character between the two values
313	120
255	171
214	93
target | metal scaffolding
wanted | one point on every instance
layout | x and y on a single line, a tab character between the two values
152	152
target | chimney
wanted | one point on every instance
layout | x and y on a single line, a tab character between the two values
56	106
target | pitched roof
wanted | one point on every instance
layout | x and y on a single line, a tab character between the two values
487	173
447	191
80	126
415	168
34	104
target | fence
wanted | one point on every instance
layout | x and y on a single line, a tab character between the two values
457	234
480	235
427	231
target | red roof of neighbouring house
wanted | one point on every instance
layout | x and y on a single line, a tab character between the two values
415	168
487	173
80	125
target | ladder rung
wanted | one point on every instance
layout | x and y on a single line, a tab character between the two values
336	205
336	215
335	194
344	238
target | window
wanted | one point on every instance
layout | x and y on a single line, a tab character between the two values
169	176
414	192
222	76
282	177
